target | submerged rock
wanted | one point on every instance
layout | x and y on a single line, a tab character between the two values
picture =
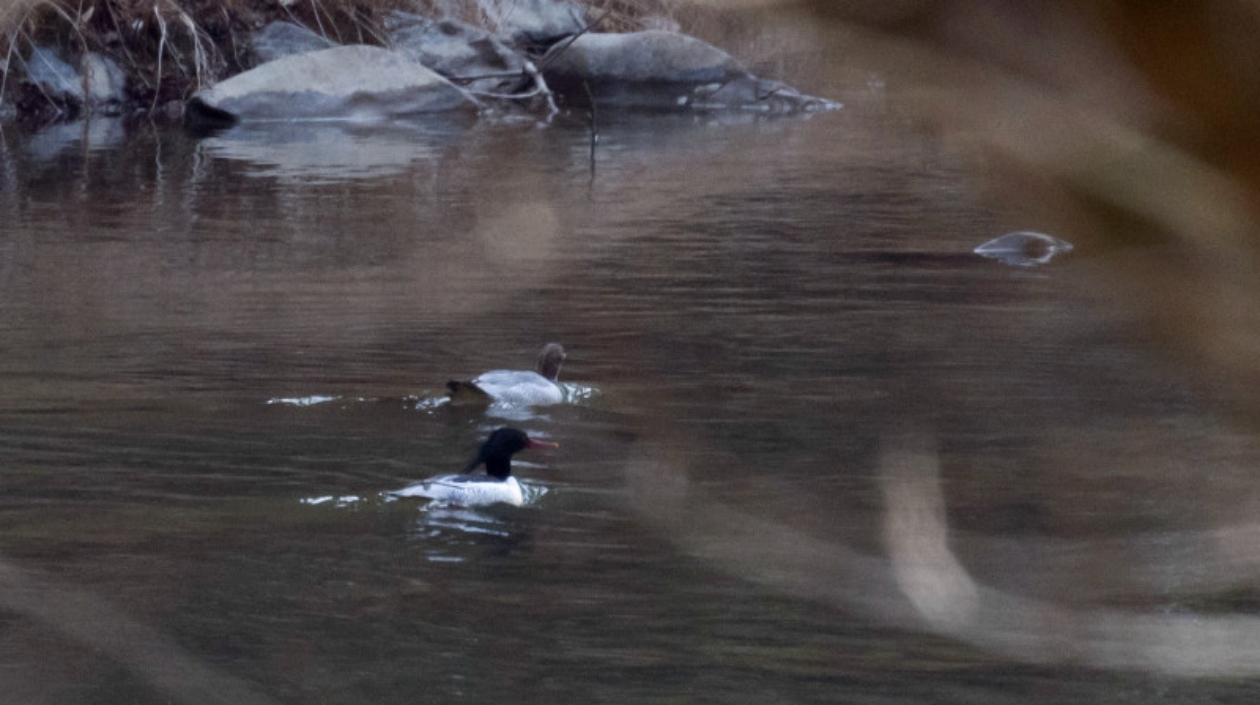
356	83
657	69
280	39
458	51
1024	248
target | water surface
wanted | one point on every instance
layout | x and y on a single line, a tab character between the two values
795	353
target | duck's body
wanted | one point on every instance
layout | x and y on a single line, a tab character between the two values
467	490
516	388
496	486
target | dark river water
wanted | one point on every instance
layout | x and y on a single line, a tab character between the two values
823	452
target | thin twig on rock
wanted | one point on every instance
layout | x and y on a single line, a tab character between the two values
157	88
547	60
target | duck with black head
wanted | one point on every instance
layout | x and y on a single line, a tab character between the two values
497	485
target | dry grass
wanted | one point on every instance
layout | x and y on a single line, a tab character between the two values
165	50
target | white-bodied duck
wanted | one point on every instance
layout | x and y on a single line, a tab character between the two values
496	486
516	388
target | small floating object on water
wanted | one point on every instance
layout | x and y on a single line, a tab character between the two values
1024	248
516	387
496	486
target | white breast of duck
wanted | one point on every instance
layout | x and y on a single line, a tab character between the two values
467	490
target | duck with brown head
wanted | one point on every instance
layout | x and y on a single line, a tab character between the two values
516	388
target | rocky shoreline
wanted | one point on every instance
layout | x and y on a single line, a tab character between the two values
542	57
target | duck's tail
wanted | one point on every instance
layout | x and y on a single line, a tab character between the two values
461	392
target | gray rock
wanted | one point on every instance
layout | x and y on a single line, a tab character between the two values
657	69
104	81
97	86
458	51
534	23
652	56
281	39
1024	248
46	69
354	83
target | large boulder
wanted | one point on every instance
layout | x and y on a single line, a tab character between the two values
658	69
459	51
354	83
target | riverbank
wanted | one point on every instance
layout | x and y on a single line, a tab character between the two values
144	61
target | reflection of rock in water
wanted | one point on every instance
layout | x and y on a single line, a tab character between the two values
97	134
333	152
1024	248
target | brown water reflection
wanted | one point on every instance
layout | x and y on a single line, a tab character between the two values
806	381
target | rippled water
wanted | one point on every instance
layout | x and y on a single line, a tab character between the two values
797	375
